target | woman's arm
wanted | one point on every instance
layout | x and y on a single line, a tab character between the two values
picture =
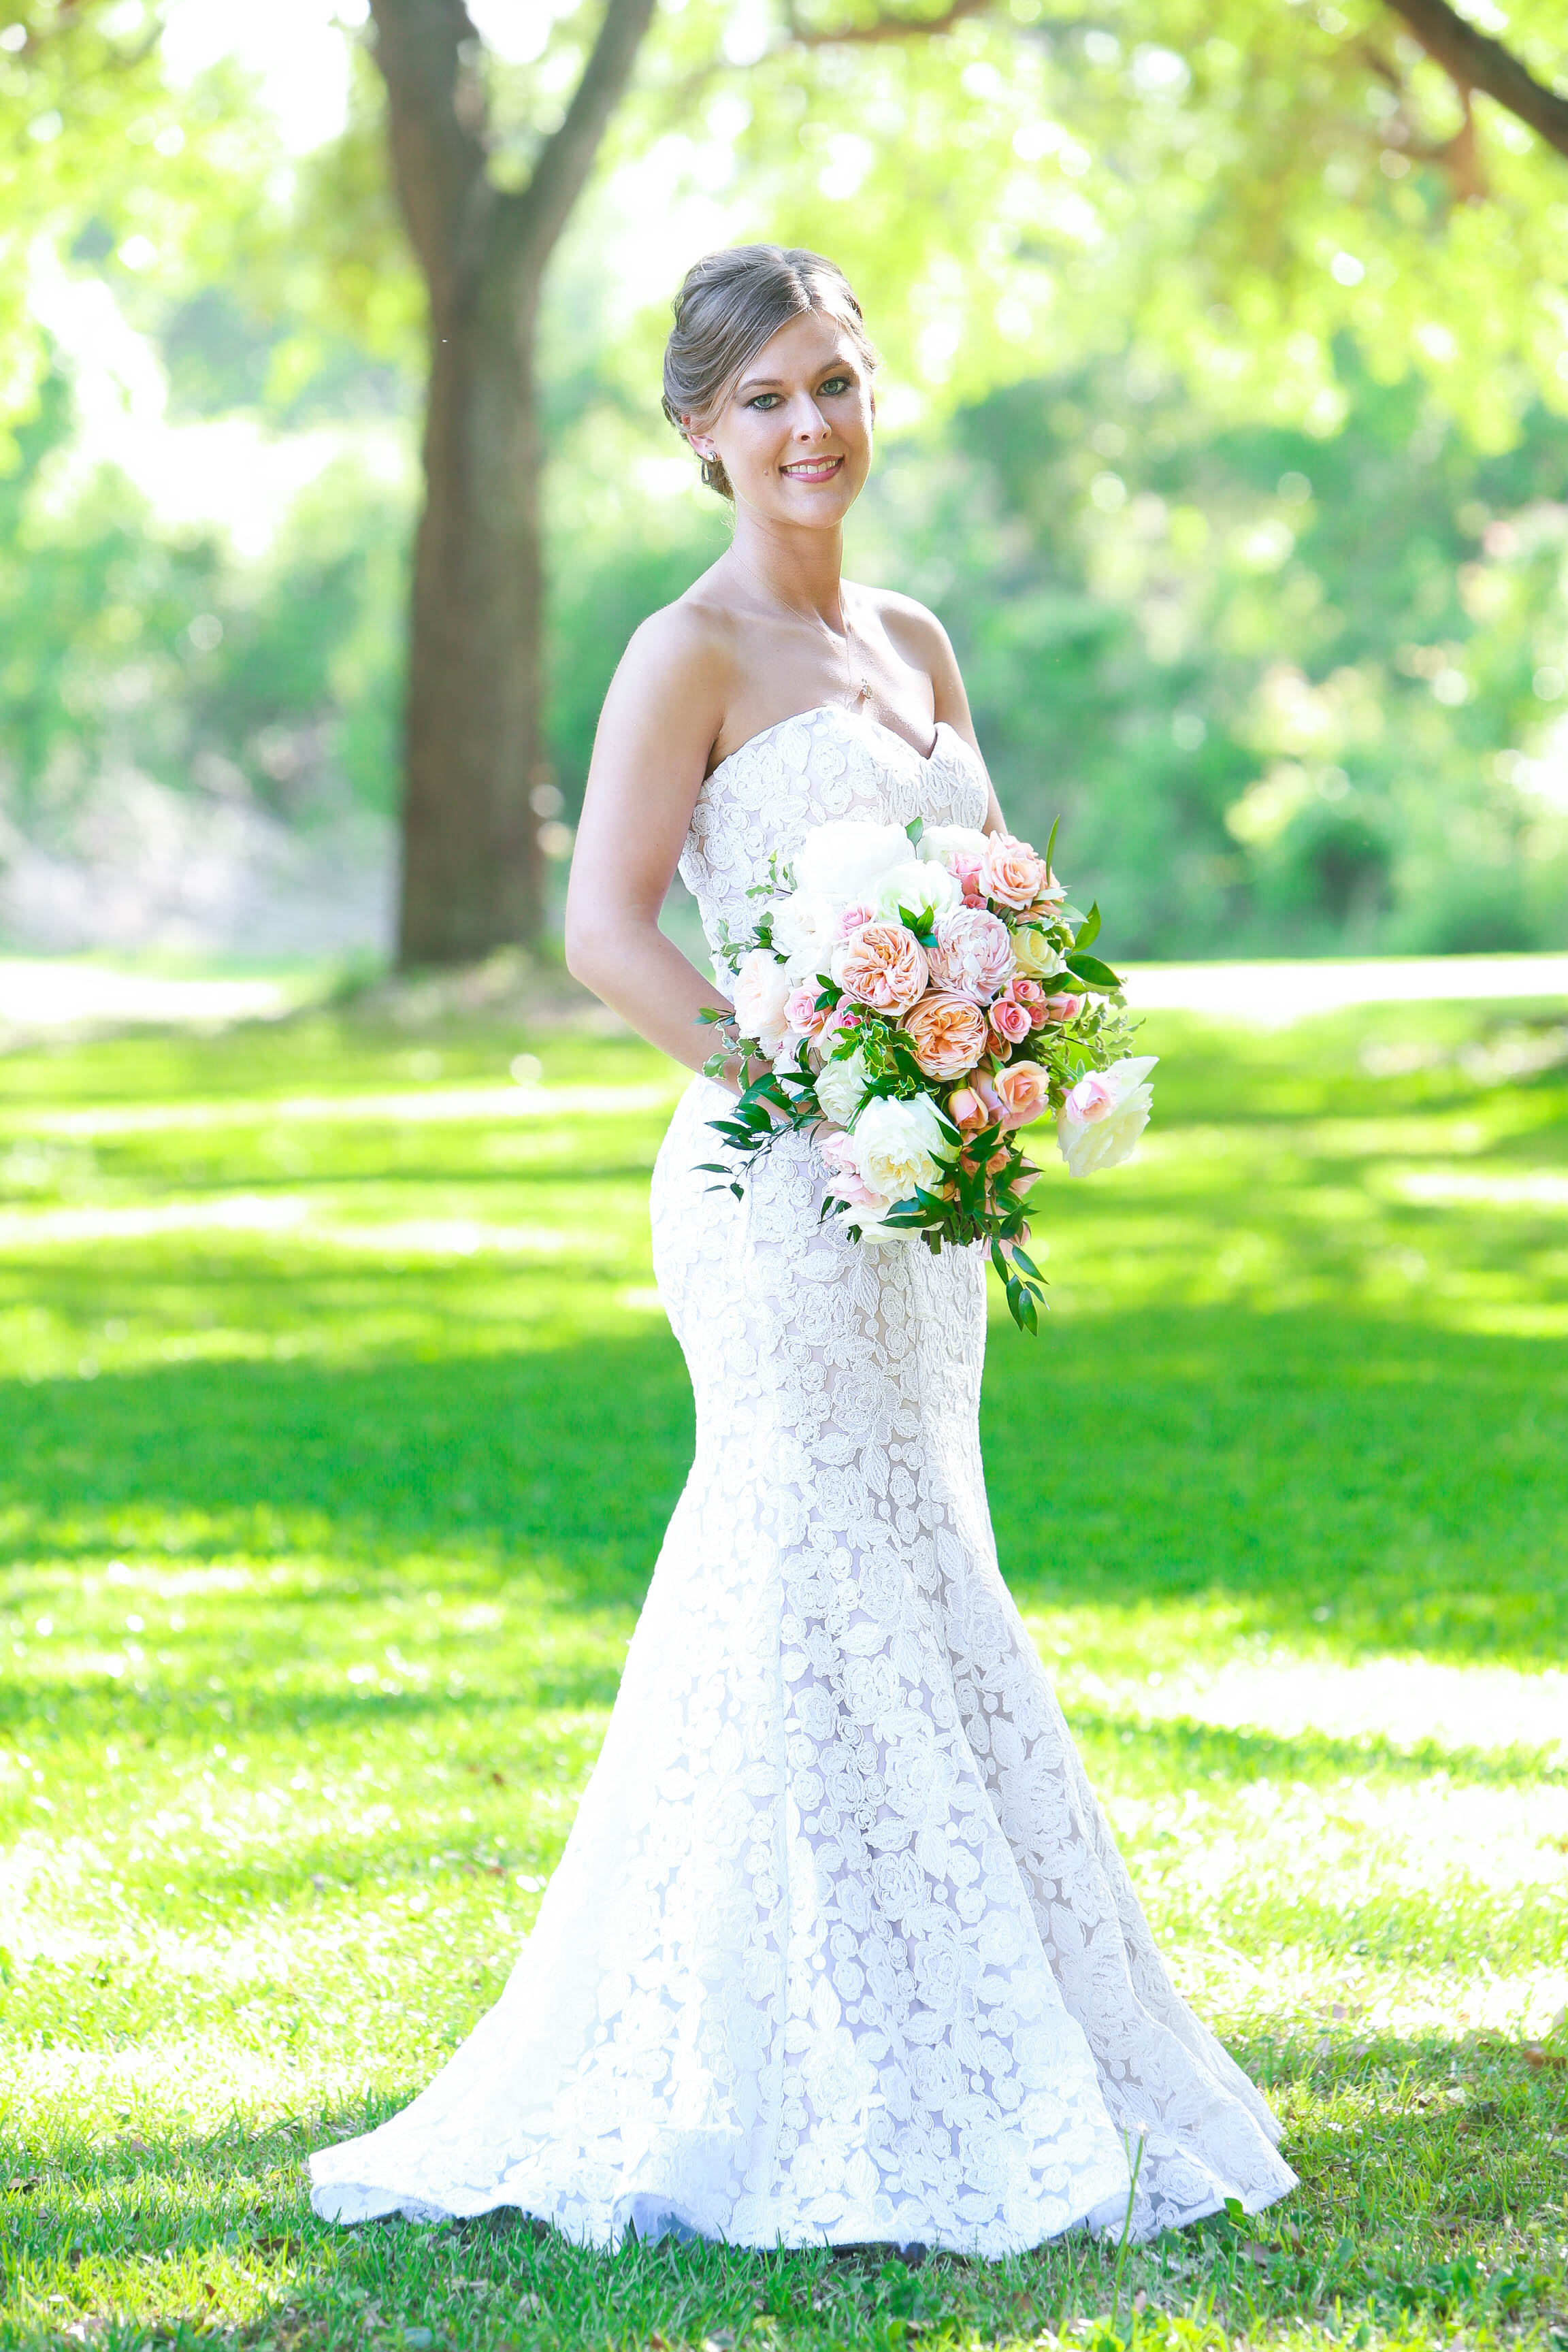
650	755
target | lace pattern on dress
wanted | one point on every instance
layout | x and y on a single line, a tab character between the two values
841	1947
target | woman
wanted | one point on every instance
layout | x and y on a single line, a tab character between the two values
840	1948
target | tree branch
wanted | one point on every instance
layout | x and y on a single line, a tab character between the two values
1475	61
882	28
534	218
436	114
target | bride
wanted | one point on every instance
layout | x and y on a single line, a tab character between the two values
840	1948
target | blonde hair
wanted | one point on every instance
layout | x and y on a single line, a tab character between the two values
728	305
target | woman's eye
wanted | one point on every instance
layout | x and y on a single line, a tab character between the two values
835	384
764	401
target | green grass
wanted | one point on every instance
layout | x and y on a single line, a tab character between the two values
337	1443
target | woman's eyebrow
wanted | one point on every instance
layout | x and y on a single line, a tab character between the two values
836	366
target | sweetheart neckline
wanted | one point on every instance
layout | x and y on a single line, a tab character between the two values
925	758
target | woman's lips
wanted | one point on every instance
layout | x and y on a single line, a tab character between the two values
813	470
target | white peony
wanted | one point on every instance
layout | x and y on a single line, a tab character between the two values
1104	1116
761	989
847	859
953	845
927	891
805	925
900	1145
841	1087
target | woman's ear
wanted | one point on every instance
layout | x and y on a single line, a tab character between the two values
699	441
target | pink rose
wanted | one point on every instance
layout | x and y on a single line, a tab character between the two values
1025	1090
1012	872
947	1032
1093	1098
883	965
1010	1020
761	988
1032	997
855	919
843	1017
803	1013
845	1179
1063	1008
973	952
967	1110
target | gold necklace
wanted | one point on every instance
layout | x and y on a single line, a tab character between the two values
863	692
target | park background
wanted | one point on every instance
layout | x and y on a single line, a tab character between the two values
1223	421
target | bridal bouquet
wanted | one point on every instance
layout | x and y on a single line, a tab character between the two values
924	996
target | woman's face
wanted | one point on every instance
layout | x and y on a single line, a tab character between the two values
794	434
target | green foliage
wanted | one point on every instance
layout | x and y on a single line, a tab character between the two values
1291	694
314	1593
124	646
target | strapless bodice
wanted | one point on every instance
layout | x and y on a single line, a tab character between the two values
823	763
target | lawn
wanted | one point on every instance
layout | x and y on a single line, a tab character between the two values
339	1427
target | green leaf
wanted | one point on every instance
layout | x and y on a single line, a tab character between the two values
1050	844
1088	930
1091	972
914	828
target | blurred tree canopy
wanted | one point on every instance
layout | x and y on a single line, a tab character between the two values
1228	351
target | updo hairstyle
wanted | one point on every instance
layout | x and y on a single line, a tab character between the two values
728	305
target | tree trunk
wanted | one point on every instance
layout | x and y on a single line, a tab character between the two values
470	844
472	877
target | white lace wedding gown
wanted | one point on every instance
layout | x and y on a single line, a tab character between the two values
840	1948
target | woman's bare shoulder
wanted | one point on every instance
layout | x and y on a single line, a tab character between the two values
913	627
920	637
673	685
692	641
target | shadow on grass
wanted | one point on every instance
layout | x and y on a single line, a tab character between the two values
1343	1484
1360	1485
1418	2158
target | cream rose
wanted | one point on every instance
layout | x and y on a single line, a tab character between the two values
847	858
1100	1123
762	996
841	1087
900	1146
1035	957
883	966
947	1032
1011	871
973	952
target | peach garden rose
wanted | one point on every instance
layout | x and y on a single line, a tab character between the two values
883	966
947	1032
